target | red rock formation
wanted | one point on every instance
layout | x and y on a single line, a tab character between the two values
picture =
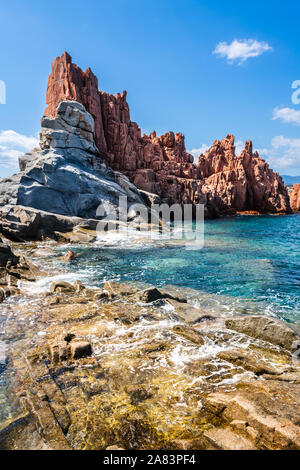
222	181
68	82
295	198
245	182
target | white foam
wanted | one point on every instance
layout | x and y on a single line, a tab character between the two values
43	284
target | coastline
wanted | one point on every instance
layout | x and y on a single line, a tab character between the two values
145	370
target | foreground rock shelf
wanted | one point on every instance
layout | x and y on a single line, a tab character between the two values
144	369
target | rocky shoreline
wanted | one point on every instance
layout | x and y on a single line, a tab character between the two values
140	368
121	365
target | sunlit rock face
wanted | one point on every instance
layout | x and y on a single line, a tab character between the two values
64	182
295	198
222	181
243	182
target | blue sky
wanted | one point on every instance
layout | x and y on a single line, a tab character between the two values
164	53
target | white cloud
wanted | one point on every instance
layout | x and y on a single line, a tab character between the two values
197	152
239	147
288	115
284	153
241	50
12	146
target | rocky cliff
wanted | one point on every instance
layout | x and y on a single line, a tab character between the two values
242	182
295	198
63	183
224	182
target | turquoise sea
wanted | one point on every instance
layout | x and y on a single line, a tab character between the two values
249	264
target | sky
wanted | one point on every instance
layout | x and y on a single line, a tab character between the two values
203	68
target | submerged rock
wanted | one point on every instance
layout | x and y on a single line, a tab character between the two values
190	334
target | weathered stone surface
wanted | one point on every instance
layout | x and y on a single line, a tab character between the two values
247	360
69	82
268	329
69	348
295	198
79	286
222	181
226	439
91	376
242	182
114	448
20	223
81	349
21	433
149	295
269	423
61	286
190	334
66	178
188	313
14	267
101	296
115	289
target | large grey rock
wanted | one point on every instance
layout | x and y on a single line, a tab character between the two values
65	177
268	329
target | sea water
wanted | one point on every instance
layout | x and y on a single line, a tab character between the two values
249	264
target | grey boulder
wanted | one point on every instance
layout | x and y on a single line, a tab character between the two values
65	177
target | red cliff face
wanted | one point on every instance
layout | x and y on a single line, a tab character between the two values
243	182
222	181
295	198
69	82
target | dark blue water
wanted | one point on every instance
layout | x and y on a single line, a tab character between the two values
248	264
